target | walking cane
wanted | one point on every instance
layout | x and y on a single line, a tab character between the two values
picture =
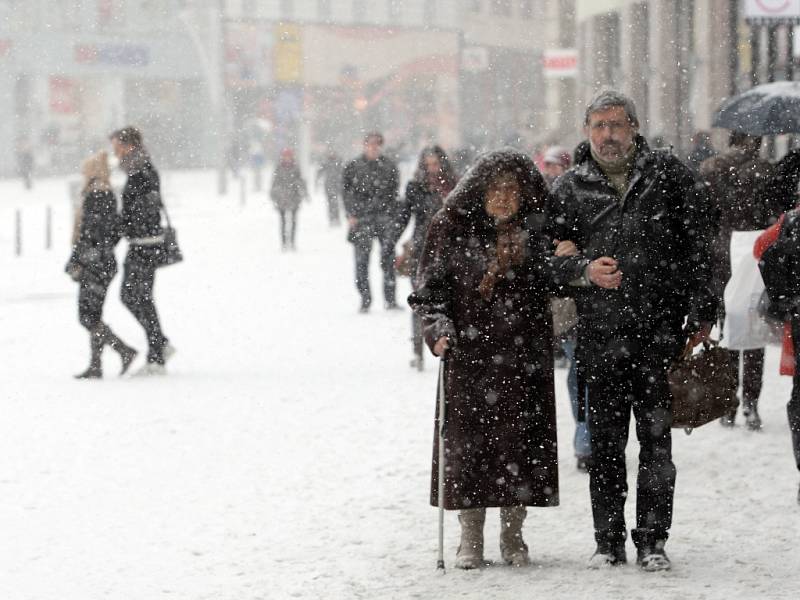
440	481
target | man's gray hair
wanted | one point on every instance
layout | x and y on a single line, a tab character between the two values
609	99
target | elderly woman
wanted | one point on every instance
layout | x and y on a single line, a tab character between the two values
482	291
92	263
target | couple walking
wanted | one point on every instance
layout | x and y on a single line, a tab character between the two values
626	233
93	265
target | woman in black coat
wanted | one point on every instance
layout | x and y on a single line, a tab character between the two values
93	265
483	293
425	194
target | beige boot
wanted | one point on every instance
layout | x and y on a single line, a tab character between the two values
513	549
470	550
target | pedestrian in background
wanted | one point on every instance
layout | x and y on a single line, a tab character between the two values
369	188
330	172
482	293
287	192
702	150
556	161
782	241
433	180
141	224
24	154
743	191
93	265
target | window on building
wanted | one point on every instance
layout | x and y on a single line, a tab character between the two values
429	14
395	10
287	9
501	7
359	10
324	9
526	9
249	9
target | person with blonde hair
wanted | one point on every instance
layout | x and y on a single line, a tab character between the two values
92	263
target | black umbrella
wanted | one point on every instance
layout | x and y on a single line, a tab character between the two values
769	109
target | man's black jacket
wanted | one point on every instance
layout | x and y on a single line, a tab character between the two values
369	189
659	232
141	197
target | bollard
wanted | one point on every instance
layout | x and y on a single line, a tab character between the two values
48	225
18	233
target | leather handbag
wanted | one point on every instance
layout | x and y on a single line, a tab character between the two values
702	385
169	252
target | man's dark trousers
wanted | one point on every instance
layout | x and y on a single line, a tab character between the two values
137	295
363	235
641	385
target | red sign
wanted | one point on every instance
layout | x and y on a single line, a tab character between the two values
562	62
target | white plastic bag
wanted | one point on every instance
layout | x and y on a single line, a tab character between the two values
745	328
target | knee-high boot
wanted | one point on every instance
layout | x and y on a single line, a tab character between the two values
95	370
126	353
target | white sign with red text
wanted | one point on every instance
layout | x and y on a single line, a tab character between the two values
560	62
772	9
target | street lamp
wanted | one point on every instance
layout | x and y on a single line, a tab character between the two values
213	69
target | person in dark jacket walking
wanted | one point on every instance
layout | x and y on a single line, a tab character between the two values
781	271
330	172
93	265
483	290
433	180
287	192
702	150
141	224
641	227
745	191
369	188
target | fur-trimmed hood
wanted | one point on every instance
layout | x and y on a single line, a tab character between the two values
465	204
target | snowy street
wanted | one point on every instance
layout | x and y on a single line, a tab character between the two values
286	454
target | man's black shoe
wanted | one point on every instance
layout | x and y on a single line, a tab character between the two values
653	558
611	555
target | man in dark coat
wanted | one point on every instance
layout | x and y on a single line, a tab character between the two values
141	224
369	186
746	195
640	267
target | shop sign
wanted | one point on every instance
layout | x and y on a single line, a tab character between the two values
288	54
560	62
117	55
773	11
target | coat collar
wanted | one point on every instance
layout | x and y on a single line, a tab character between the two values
586	167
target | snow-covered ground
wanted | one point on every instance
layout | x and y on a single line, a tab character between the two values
287	453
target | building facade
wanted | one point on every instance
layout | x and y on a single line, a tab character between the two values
678	59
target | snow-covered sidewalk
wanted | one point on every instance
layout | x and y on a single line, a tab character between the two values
287	453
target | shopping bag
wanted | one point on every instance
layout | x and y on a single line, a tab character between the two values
746	325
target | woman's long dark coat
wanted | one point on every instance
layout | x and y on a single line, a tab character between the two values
500	438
